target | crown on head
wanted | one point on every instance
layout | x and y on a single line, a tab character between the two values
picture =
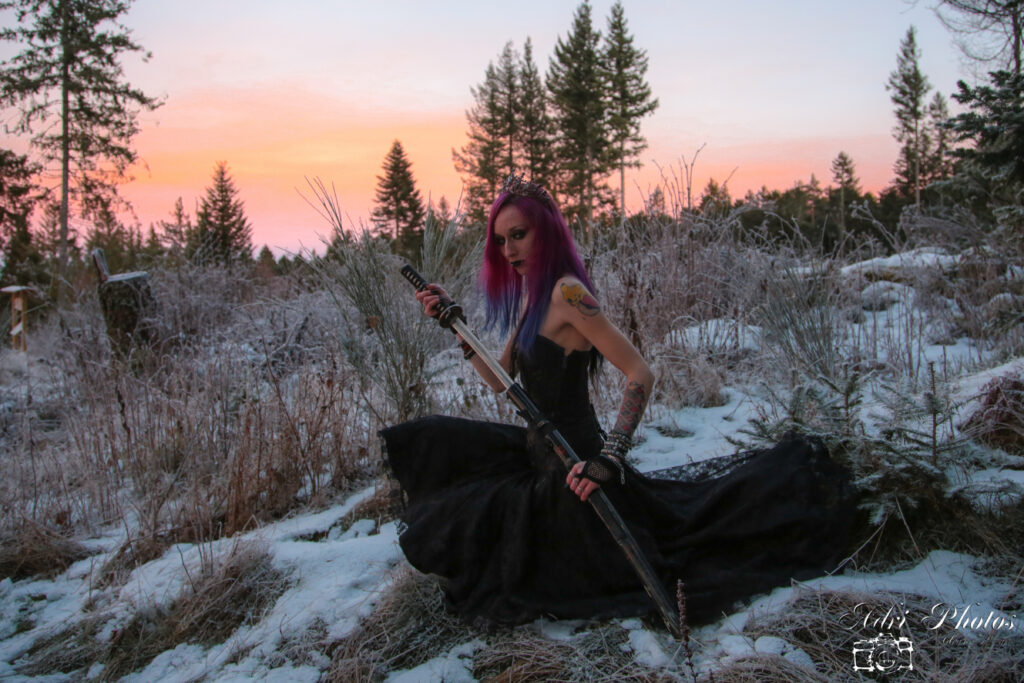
518	185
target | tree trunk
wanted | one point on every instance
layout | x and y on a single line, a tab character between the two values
65	149
917	166
1017	38
622	180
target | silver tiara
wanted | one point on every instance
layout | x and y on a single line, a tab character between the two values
518	185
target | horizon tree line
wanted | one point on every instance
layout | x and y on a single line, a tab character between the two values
519	122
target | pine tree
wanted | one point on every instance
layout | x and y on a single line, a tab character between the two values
655	206
121	244
399	206
19	195
153	250
52	245
576	81
991	168
715	200
629	97
508	90
18	192
22	262
534	148
175	232
909	87
844	176
479	160
439	215
69	85
489	155
266	264
222	233
938	160
510	131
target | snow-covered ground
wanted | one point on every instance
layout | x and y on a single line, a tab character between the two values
335	577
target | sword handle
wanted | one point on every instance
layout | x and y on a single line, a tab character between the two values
447	310
417	280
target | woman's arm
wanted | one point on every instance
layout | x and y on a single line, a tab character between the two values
572	304
485	372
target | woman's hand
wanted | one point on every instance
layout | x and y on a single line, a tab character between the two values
581	486
430	298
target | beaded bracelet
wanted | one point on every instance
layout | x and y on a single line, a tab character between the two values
617	444
467	350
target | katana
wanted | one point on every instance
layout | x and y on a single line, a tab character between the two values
450	316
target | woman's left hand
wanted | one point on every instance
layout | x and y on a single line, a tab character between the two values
580	486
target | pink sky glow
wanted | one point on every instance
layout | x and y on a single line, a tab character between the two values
288	91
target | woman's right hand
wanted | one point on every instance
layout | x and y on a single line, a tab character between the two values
430	298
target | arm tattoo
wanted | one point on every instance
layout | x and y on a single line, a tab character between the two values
577	296
632	408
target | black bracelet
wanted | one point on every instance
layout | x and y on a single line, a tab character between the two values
617	444
467	350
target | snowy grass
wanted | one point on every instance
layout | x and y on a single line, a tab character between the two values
129	488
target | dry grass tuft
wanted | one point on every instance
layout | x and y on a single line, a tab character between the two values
234	591
31	549
767	668
602	653
999	422
689	379
134	553
69	650
385	505
953	524
408	627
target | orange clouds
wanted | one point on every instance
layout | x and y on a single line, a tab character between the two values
272	141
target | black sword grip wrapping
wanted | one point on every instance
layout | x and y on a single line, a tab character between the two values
417	280
448	311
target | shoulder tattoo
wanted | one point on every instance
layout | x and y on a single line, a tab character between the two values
577	296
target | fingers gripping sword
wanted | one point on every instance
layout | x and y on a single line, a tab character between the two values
450	316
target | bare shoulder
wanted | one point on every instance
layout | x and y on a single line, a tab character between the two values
570	292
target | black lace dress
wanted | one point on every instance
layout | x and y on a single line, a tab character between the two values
488	510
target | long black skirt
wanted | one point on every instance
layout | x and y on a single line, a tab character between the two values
488	510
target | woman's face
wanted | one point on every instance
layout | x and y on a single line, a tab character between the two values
514	236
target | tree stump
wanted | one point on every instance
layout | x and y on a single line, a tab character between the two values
128	308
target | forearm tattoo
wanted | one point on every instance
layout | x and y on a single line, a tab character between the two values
577	296
632	408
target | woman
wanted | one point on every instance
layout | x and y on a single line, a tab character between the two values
488	508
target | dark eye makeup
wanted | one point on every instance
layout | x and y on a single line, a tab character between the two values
516	234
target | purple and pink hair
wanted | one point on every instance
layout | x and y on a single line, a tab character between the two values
554	256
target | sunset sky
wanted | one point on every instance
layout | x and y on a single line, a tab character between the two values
282	91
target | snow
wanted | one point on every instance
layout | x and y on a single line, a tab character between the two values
335	581
646	646
925	257
455	666
708	430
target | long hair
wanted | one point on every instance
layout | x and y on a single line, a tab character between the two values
554	256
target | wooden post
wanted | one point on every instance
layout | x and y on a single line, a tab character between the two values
19	315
